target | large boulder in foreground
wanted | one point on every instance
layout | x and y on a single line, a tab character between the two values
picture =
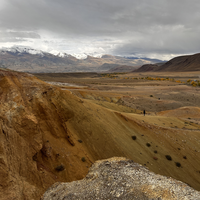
120	178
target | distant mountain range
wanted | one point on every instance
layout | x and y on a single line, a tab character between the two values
36	61
177	64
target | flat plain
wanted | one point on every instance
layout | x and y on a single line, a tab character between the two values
132	92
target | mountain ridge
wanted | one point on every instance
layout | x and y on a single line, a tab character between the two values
36	61
178	64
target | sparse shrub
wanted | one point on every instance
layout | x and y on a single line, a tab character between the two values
178	164
80	141
168	157
83	159
134	137
184	157
179	149
155	151
151	95
60	168
57	155
148	144
35	157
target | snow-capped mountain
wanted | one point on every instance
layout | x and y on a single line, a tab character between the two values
76	55
31	60
21	50
28	50
85	55
59	54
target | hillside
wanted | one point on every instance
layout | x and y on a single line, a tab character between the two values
182	63
147	68
122	68
49	135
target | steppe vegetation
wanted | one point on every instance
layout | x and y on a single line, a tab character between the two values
116	76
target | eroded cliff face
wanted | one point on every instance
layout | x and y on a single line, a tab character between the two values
47	135
36	146
120	178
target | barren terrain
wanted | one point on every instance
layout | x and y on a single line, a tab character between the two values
121	91
53	132
171	125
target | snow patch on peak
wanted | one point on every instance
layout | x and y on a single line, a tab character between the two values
76	55
79	56
21	50
59	54
28	50
85	55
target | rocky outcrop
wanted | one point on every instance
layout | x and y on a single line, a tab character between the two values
120	178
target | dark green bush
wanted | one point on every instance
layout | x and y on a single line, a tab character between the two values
83	159
178	164
60	168
168	157
134	137
148	144
155	151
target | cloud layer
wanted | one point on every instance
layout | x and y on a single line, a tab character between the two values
152	28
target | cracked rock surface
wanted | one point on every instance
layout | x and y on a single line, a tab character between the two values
120	178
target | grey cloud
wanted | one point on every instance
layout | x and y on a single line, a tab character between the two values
159	26
15	40
14	34
89	16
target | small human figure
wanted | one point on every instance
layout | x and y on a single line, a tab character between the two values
144	112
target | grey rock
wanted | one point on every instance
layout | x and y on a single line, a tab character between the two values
120	178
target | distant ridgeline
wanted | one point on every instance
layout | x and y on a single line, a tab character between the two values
36	61
177	64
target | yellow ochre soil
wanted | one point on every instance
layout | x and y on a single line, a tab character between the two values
51	134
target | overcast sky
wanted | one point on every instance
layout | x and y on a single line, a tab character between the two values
151	28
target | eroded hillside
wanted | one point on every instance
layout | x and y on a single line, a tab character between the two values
50	135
